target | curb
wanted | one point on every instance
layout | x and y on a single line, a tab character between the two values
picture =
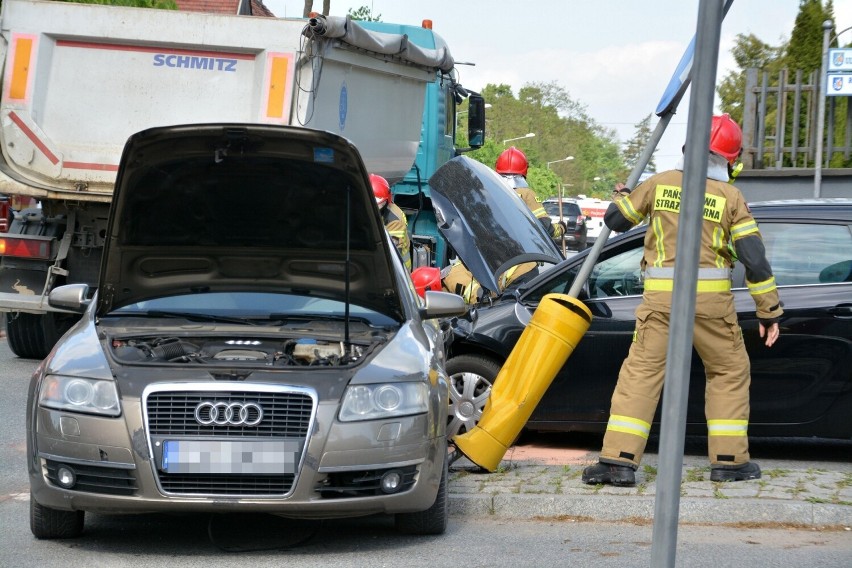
694	510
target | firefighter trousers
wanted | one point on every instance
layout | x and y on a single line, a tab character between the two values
719	343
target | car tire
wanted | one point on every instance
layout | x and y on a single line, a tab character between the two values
433	520
471	379
47	523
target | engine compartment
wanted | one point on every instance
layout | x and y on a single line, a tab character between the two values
300	352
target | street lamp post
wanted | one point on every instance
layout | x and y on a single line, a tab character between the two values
562	160
527	135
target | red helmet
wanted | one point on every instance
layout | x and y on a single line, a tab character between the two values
381	190
513	162
726	138
426	278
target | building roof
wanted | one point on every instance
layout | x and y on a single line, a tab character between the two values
244	7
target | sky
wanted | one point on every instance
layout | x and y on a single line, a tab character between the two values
613	56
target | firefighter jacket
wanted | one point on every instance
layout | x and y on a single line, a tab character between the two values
726	221
456	278
397	227
528	196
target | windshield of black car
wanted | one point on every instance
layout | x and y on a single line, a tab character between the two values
569	209
251	307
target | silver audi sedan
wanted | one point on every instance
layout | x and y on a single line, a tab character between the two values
254	344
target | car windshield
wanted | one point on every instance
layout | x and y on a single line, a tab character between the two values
569	209
233	306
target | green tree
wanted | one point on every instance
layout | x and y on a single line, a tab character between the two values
562	128
636	145
365	14
805	48
748	52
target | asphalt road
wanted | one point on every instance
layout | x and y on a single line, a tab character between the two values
473	541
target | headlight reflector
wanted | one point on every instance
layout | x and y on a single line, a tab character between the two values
78	394
371	402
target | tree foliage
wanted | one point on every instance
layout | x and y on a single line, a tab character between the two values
364	14
748	52
562	128
636	145
805	49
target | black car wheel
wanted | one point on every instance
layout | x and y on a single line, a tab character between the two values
434	519
471	377
47	523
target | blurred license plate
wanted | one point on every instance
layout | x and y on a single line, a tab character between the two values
230	457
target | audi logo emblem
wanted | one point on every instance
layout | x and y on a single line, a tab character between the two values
228	413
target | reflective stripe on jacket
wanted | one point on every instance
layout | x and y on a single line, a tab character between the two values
726	220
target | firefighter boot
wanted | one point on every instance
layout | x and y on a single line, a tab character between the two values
613	474
749	470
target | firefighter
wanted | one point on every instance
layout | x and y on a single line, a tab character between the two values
717	335
393	217
512	165
456	278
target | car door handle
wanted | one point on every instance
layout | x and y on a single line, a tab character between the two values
842	311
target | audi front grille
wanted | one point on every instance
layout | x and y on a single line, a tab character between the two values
258	414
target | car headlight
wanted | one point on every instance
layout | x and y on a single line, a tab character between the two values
79	395
370	402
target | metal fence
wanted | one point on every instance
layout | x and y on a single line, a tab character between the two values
779	124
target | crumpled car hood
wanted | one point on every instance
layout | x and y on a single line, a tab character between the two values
488	225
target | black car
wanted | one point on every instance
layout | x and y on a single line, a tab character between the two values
576	228
802	386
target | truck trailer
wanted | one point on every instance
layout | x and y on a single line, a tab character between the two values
79	79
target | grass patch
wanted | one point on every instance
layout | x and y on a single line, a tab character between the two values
695	474
776	473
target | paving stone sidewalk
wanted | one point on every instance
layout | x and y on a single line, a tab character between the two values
818	495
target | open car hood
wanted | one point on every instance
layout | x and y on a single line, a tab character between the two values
245	207
488	225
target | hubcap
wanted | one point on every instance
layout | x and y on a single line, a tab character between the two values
468	394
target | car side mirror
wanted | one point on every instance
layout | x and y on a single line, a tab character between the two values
72	297
442	305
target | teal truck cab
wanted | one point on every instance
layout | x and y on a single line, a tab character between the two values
437	145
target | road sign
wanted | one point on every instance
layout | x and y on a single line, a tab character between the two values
839	60
838	85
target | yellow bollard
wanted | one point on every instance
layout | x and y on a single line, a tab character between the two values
554	331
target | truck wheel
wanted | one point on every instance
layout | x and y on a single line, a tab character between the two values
46	523
471	377
434	519
32	336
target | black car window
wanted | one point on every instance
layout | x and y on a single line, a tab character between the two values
804	253
618	275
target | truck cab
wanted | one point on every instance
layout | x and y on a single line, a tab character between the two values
437	146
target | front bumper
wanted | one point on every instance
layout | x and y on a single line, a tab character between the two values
336	474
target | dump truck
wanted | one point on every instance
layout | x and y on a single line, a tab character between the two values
79	79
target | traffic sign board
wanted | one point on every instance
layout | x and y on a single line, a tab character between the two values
838	85
840	60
